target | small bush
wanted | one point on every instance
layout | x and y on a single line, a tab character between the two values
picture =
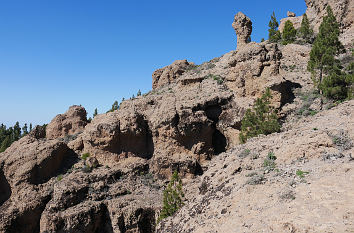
85	156
269	162
301	174
60	177
256	179
172	197
244	153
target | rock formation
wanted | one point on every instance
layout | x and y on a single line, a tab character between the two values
290	14
296	21
168	74
312	177
69	123
243	28
190	122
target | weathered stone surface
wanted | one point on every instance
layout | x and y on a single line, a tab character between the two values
243	27
169	74
342	9
27	170
290	14
71	122
296	21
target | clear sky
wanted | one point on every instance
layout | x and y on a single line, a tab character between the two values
56	53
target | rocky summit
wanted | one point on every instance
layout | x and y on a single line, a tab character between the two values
109	174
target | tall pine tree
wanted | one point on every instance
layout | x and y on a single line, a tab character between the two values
305	31
289	33
325	48
273	33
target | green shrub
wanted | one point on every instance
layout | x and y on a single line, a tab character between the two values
172	197
85	156
262	119
301	174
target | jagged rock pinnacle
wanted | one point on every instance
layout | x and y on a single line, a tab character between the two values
243	27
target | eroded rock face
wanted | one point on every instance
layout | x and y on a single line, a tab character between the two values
28	168
239	194
71	122
170	73
243	27
342	9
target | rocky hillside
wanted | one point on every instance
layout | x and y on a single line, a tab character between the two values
108	175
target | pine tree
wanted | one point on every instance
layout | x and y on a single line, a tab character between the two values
172	197
24	130
139	93
325	48
6	143
305	30
262	40
95	113
30	128
16	132
289	33
262	119
274	35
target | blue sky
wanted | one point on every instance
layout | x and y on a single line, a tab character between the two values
57	53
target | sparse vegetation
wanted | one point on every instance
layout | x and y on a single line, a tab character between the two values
269	163
244	153
301	173
59	177
262	119
85	156
255	179
172	197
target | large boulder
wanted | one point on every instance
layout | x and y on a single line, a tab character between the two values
71	122
243	27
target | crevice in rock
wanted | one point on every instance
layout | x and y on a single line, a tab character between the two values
286	90
104	223
5	188
58	162
219	142
146	220
121	224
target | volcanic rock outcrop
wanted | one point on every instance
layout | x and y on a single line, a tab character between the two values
243	27
69	123
190	122
170	73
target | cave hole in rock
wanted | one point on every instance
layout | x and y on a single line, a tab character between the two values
5	188
139	142
218	140
58	162
286	90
